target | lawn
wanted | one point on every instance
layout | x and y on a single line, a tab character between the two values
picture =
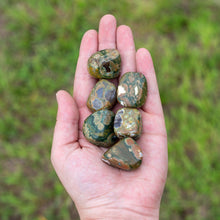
39	43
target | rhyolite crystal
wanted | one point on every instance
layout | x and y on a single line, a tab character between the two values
105	64
128	123
126	155
132	90
102	96
98	128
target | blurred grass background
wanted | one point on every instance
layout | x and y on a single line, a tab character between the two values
39	42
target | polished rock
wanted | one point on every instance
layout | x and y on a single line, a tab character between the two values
102	96
105	64
132	90
98	128
128	123
126	155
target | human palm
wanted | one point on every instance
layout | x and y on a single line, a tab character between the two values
98	190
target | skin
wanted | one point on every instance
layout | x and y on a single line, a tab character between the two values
98	190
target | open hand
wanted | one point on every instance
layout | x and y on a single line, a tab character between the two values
98	190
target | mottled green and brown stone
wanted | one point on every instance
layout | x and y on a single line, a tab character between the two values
126	155
128	123
98	128
102	96
132	90
105	64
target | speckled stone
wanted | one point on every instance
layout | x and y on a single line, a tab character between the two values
126	155
132	90
105	64
98	128
102	96
128	123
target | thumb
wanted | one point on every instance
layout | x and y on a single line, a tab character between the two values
66	129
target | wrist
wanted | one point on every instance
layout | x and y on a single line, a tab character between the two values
119	214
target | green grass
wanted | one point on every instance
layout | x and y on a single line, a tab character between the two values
39	47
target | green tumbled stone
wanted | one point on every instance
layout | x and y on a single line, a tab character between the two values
132	90
98	128
105	64
102	96
128	123
126	155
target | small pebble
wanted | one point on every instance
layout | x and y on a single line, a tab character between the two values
102	96
128	123
105	64
98	128
126	155
132	90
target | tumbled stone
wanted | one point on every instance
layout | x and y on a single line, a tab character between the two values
132	90
98	128
128	123
102	96
126	155
105	64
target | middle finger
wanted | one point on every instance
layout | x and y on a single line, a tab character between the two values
107	32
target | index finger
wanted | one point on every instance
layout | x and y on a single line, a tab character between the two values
84	82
